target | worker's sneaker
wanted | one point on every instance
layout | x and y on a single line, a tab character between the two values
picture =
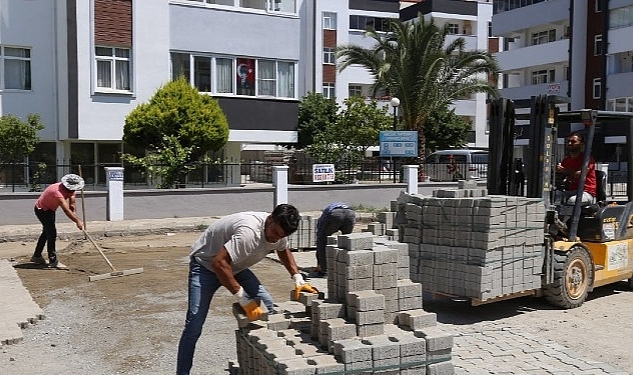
58	265
38	260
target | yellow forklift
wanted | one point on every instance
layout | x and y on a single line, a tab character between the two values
585	246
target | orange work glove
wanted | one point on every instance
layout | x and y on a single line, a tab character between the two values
250	306
302	286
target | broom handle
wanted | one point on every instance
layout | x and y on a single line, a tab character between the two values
99	249
83	203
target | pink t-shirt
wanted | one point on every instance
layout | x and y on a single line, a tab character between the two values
48	200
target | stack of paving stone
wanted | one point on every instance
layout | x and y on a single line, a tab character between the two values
464	243
305	235
17	308
371	322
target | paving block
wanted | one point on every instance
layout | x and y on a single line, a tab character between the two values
436	338
356	241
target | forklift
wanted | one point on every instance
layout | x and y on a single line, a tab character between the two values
585	246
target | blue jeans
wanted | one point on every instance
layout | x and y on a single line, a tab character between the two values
202	286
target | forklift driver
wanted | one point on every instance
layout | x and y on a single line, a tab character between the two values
571	166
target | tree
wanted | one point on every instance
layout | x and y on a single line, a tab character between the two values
18	138
444	129
177	126
414	62
356	129
315	114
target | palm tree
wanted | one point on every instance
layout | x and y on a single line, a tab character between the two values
413	62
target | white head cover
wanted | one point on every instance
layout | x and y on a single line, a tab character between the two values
73	182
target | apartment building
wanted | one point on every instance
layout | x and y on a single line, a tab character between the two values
578	49
84	65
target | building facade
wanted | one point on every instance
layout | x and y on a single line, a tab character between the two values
83	66
577	49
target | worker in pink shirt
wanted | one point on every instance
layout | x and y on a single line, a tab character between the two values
60	194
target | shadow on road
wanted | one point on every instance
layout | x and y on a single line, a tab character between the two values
459	311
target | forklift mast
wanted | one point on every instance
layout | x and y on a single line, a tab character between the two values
540	156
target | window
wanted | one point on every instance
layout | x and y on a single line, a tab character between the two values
621	17
17	68
624	104
329	91
452	28
286	79
542	37
598	6
220	2
543	76
355	90
245	79
329	56
224	75
239	76
597	45
357	22
202	73
180	66
113	68
266	78
287	6
329	21
489	29
597	88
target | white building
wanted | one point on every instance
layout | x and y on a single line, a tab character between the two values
579	49
83	66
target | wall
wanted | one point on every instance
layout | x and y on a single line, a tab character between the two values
157	204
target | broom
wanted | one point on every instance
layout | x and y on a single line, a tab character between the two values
114	272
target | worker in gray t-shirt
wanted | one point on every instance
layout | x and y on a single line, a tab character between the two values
222	257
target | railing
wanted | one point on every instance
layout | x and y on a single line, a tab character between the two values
20	177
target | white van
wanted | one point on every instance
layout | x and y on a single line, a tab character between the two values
458	164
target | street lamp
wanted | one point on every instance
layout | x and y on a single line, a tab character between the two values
395	102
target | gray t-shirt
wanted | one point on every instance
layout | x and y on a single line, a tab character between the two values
242	234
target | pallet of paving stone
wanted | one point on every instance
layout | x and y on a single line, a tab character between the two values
479	247
305	236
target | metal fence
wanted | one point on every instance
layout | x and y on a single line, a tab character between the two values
34	176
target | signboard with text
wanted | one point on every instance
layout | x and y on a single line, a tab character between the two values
323	173
398	143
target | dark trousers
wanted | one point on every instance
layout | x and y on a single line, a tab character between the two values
342	219
48	236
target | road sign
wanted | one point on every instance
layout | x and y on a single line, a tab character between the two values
398	143
323	173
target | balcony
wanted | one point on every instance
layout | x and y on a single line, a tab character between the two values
540	54
526	92
619	85
554	11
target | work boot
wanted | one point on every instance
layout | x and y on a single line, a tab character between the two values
58	265
38	260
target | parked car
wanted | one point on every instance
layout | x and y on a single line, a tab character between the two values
458	164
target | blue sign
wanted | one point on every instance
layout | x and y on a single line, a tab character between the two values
115	175
399	143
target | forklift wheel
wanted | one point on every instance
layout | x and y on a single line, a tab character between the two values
573	276
630	282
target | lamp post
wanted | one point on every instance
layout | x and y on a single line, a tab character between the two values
395	102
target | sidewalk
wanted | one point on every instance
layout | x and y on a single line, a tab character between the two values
477	349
